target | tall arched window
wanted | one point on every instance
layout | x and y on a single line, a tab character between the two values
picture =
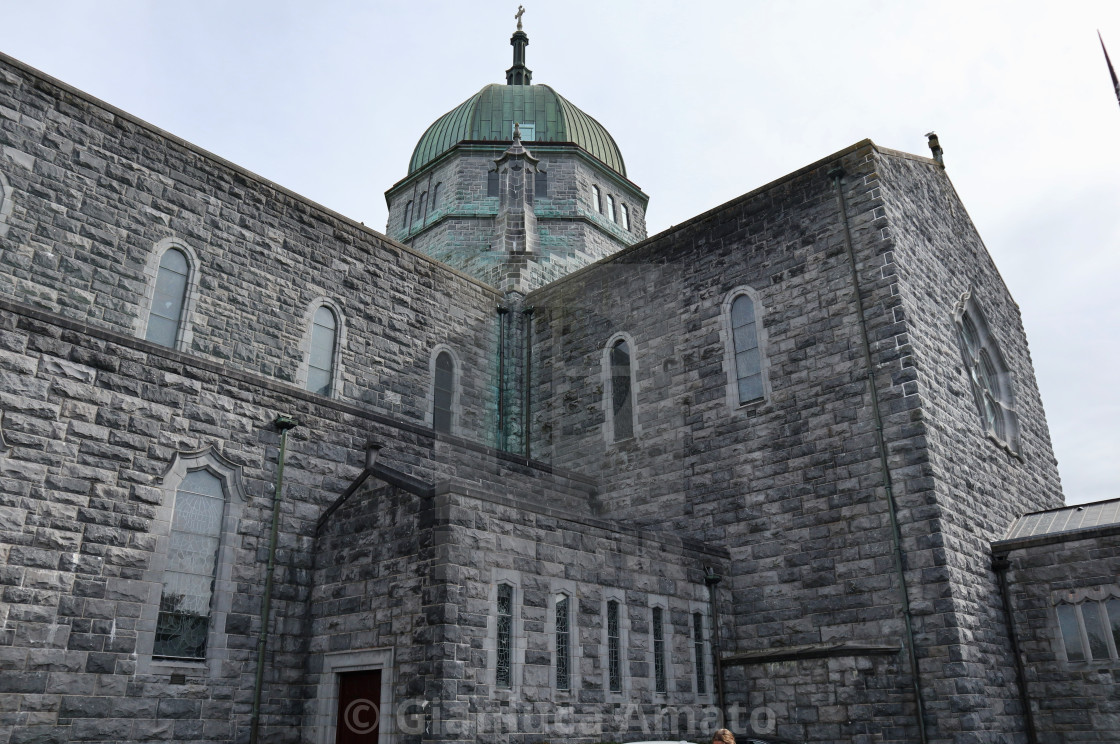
166	316
408	215
435	196
503	657
597	198
563	644
183	620
421	211
621	390
443	392
611	212
321	355
625	217
614	647
183	623
748	355
660	675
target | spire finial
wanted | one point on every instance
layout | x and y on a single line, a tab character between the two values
519	74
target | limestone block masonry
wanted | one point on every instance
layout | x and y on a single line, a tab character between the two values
849	505
793	484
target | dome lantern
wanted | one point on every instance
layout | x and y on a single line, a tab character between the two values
519	74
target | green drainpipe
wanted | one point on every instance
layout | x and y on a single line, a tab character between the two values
283	424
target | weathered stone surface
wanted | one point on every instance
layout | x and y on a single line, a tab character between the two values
785	498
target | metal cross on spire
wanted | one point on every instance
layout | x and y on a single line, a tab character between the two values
520	12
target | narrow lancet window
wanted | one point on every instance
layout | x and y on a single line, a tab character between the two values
408	215
504	665
443	393
166	316
597	198
660	680
183	622
435	196
622	406
320	361
698	648
563	646
748	356
611	212
614	651
540	181
625	218
492	183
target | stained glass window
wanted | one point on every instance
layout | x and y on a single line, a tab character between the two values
698	647
442	393
320	362
183	622
614	642
504	666
563	646
748	357
170	294
659	677
621	398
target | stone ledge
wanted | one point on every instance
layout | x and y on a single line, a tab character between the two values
813	651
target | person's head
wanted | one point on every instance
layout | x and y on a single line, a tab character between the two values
723	736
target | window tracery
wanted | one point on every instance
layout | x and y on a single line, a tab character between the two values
988	374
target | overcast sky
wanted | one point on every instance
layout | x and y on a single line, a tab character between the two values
329	98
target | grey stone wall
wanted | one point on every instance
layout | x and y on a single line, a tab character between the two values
95	191
1072	701
481	535
91	421
793	484
970	488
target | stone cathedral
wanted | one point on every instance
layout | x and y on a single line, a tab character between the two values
514	471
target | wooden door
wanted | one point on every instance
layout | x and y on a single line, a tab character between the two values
359	707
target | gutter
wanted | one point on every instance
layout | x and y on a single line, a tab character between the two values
1000	563
283	423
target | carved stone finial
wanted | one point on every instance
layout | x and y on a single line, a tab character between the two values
520	12
516	132
935	148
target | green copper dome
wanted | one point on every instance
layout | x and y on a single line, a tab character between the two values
544	116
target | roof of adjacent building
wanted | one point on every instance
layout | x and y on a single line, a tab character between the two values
1066	519
489	115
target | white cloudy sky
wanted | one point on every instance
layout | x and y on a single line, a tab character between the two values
706	103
